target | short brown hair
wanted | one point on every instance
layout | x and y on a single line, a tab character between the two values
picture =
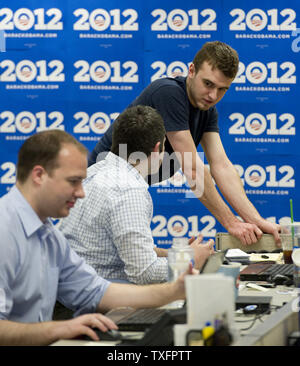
220	56
139	128
43	149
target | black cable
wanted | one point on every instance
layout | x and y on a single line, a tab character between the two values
257	317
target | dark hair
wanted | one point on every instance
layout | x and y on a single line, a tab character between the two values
139	128
220	56
43	149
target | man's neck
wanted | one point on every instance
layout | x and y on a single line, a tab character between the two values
141	167
27	193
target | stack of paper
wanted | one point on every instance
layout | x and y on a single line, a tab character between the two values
237	255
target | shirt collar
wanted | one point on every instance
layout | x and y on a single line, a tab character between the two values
121	163
30	220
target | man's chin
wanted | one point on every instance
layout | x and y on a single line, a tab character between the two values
204	107
63	213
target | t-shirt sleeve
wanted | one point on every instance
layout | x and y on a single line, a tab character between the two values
171	103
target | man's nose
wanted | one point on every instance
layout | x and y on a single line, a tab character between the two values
213	94
79	193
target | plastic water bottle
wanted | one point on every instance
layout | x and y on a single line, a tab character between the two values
179	257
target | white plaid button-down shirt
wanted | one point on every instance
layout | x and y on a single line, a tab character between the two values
110	227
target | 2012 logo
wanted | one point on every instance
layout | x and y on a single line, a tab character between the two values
257	124
27	71
178	225
178	20
101	71
258	19
25	19
257	72
272	175
27	122
101	19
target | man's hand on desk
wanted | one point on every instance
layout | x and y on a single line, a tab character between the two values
45	333
270	228
82	325
250	233
247	233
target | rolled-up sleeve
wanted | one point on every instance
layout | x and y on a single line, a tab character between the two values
8	266
79	287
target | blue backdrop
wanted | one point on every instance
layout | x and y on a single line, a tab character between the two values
75	66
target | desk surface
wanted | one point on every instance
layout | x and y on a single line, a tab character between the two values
281	295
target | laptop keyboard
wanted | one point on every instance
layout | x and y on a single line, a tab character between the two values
262	272
283	269
140	319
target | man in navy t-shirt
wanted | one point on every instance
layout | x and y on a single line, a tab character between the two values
187	106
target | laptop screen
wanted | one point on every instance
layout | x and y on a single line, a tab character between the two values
213	262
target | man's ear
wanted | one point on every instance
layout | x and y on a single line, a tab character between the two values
191	70
156	148
37	174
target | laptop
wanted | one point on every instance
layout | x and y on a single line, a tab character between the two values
129	319
214	262
264	271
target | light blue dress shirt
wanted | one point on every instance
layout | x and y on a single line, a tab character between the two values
37	266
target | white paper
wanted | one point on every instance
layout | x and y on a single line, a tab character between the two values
237	253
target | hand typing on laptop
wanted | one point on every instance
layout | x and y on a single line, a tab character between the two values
82	325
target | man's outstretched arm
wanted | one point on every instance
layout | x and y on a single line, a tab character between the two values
201	183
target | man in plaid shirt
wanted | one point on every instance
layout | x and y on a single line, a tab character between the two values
110	228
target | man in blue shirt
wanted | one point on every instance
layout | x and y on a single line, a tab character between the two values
37	266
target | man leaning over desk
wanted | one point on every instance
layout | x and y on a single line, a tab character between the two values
188	108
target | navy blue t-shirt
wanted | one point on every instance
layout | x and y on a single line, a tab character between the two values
169	97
